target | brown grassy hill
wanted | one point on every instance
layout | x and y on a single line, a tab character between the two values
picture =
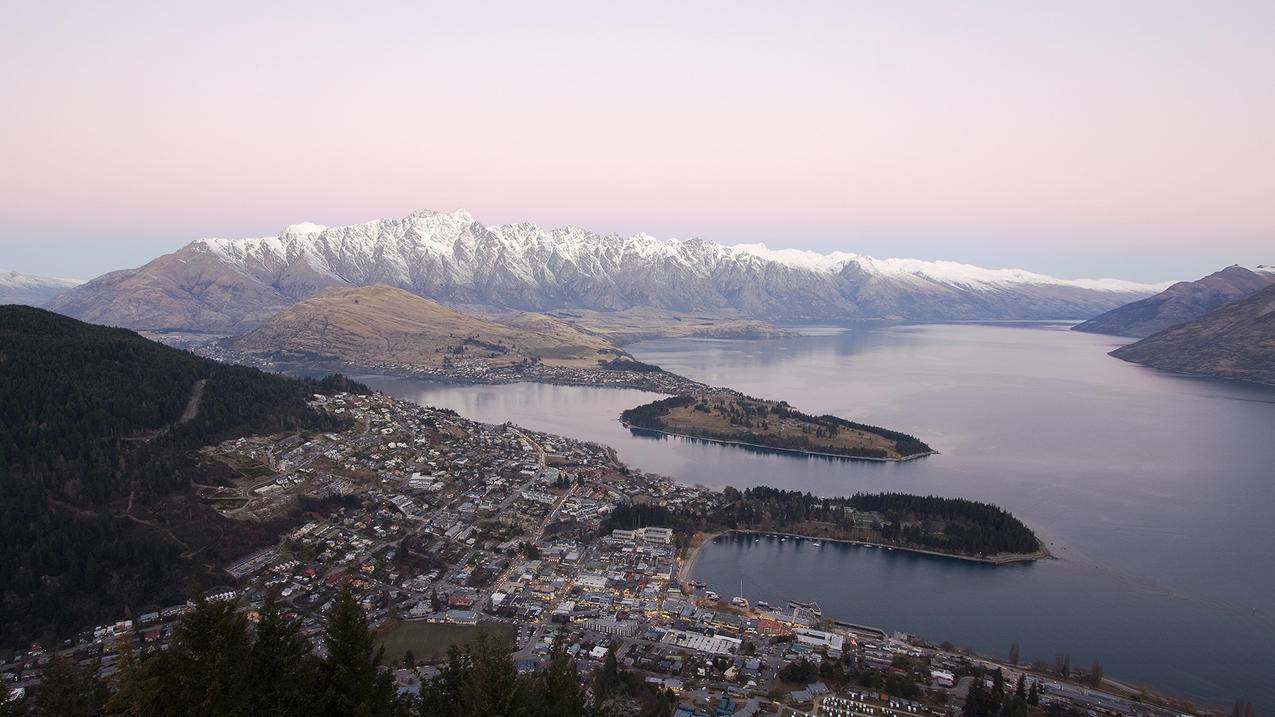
377	325
644	323
1235	341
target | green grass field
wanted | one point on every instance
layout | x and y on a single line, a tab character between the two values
429	641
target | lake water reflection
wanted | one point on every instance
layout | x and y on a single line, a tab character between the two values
1154	490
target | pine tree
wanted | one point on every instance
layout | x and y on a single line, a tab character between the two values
976	700
441	696
205	669
281	668
134	688
559	686
493	686
350	679
67	690
606	678
663	705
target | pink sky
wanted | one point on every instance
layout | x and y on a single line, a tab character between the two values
1069	137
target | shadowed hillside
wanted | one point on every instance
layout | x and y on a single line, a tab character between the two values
94	463
1235	341
1180	303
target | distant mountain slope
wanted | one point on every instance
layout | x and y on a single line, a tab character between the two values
376	325
1180	303
223	285
644	323
1235	341
31	290
94	468
189	290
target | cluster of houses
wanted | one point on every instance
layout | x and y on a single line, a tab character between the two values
433	519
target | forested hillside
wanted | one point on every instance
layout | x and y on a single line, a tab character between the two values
98	428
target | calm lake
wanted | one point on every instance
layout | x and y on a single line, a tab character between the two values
1155	491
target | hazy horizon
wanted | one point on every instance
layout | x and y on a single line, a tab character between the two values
1071	139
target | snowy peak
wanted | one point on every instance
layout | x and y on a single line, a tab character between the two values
229	284
800	258
33	290
943	272
457	233
303	228
12	279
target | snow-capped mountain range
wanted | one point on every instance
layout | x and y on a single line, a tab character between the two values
18	288
230	285
920	271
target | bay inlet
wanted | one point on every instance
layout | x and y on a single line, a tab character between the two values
1153	491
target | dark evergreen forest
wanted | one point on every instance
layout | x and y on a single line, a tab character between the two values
90	434
952	525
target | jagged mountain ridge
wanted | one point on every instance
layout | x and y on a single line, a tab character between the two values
1180	303
223	285
29	289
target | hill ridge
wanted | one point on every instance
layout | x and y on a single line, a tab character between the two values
1235	341
1181	302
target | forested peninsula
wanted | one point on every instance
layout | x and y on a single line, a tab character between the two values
950	526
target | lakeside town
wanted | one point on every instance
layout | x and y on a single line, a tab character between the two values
617	373
446	528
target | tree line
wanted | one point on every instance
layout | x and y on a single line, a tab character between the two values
220	664
999	700
904	444
628	364
748	413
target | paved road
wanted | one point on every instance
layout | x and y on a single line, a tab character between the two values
540	451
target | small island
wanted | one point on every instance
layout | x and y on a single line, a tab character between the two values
731	417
